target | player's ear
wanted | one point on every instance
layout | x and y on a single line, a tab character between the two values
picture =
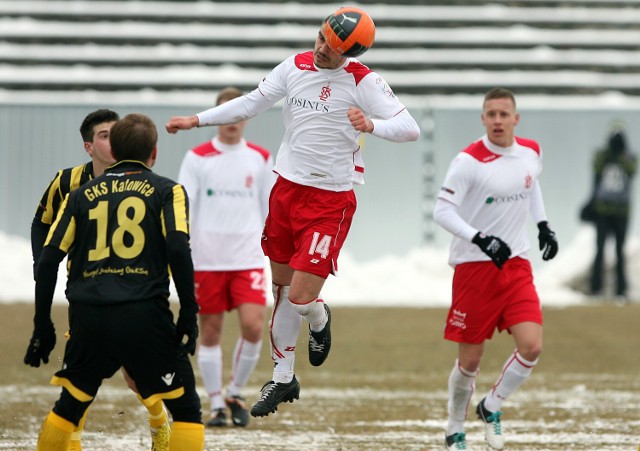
88	148
154	155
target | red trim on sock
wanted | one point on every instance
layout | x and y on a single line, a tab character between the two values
277	300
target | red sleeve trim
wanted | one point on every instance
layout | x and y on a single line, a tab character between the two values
530	143
206	150
304	61
261	150
358	70
478	151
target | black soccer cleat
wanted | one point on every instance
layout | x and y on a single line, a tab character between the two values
455	441
274	393
239	412
218	419
320	342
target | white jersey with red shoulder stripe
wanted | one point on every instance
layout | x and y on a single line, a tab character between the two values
228	188
320	146
492	187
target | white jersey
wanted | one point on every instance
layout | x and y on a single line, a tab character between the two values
320	146
325	153
493	188
228	188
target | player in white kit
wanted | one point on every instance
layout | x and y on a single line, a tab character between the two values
228	181
488	192
330	98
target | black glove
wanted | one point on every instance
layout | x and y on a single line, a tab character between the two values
42	343
187	325
494	247
547	240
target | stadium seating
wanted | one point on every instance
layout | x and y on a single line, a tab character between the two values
436	47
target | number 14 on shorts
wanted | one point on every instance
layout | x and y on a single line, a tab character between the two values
320	245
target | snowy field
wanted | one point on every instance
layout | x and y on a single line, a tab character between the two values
422	278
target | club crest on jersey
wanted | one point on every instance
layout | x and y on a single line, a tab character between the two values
248	182
528	181
325	93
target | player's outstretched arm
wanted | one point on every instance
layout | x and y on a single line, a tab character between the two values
399	128
181	123
43	339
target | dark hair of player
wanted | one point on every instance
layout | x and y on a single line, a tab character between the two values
133	138
97	117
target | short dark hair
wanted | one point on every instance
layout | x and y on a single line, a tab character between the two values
500	93
97	117
133	138
227	94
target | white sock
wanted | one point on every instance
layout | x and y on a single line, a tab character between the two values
462	384
314	313
515	371
210	364
285	327
245	359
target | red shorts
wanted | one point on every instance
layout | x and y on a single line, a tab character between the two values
306	227
220	291
485	297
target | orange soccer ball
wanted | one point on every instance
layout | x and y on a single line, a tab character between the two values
349	31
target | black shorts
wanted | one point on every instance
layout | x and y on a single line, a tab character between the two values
139	336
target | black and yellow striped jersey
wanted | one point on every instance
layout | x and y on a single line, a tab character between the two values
65	181
114	229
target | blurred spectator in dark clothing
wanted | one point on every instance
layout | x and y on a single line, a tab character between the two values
614	168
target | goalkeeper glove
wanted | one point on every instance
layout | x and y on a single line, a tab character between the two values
42	343
494	247
187	325
548	241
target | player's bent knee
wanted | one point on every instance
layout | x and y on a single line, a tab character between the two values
530	351
304	309
253	334
70	408
531	354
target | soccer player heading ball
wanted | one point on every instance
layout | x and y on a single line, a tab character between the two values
330	100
